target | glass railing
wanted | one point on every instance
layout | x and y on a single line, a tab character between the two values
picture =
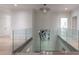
19	37
68	35
71	36
47	42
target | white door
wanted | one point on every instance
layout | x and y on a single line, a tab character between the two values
74	23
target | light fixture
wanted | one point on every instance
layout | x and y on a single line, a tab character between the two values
44	9
15	5
66	9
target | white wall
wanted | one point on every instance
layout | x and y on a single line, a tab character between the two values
21	26
76	13
5	24
21	19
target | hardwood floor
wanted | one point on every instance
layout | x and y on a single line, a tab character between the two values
5	45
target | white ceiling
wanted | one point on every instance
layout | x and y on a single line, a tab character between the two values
61	7
53	7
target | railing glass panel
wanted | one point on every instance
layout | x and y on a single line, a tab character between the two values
19	37
70	36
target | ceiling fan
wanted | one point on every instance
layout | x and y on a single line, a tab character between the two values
44	9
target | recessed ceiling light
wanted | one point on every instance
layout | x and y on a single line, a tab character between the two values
66	8
15	5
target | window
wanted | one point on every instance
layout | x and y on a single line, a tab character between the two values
64	22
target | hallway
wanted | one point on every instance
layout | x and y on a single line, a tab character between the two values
39	29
